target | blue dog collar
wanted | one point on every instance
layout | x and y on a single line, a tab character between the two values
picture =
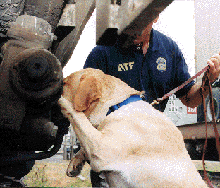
132	98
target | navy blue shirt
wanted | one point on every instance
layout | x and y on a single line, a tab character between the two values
159	71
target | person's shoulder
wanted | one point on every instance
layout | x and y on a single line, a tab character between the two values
163	38
101	48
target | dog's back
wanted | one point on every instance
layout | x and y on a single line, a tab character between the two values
156	156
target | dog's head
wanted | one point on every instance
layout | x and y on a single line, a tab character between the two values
82	89
93	92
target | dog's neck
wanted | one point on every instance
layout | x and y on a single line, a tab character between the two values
133	98
102	107
100	111
114	91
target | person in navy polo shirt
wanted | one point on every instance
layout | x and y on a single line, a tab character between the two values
154	64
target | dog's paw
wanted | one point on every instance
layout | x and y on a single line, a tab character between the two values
66	107
76	164
64	103
75	170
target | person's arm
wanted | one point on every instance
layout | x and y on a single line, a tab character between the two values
193	98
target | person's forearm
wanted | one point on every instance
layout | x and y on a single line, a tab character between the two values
194	98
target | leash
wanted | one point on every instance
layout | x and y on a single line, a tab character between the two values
205	82
158	100
202	90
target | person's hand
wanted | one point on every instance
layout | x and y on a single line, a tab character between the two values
214	64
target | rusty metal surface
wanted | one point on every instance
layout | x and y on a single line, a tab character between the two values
198	130
147	15
68	17
127	23
34	32
9	11
84	10
49	10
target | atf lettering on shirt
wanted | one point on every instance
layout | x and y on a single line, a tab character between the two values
125	66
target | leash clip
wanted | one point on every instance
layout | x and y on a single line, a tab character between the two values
155	102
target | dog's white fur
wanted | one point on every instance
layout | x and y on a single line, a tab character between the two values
135	146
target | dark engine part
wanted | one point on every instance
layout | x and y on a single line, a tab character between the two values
31	84
34	84
35	134
18	157
40	132
36	76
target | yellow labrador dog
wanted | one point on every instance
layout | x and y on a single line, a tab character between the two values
134	146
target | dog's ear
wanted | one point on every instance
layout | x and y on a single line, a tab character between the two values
89	91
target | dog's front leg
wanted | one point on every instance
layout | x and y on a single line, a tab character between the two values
88	136
76	164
